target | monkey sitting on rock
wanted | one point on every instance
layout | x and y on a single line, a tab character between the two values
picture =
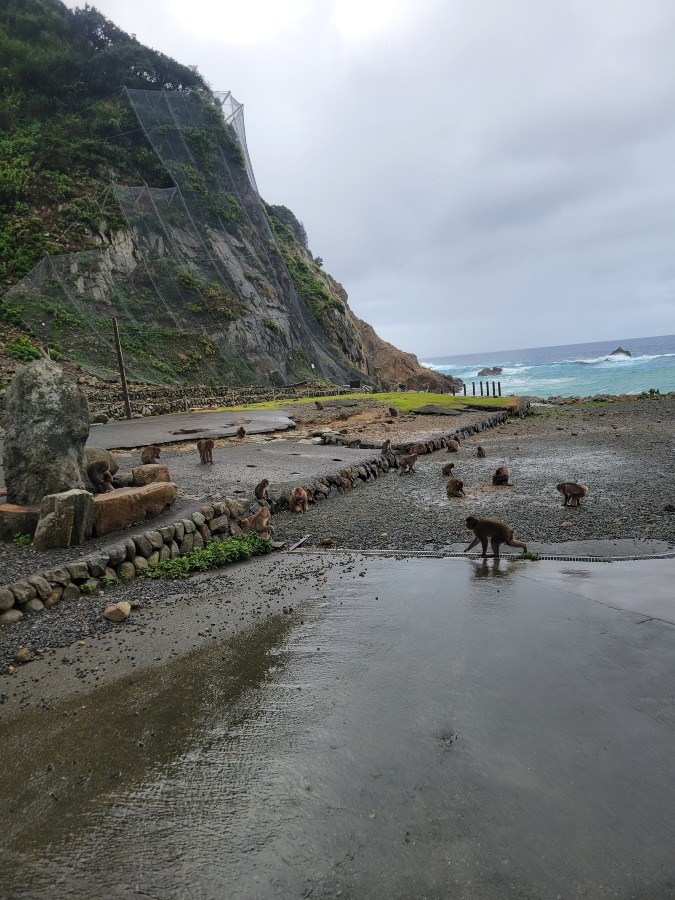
98	472
497	532
261	490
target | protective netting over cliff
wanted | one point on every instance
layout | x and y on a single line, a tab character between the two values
196	279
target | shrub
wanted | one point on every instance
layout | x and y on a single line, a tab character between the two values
212	556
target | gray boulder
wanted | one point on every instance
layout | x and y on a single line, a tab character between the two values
47	424
66	520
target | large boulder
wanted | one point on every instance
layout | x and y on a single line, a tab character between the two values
150	473
66	520
124	506
47	424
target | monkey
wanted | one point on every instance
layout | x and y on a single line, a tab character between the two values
498	532
259	522
343	484
501	476
393	412
418	449
354	445
205	447
407	463
452	445
572	491
98	472
150	454
298	500
455	488
385	449
241	432
261	490
318	404
447	469
480	453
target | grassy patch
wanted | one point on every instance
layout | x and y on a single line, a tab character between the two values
403	401
212	556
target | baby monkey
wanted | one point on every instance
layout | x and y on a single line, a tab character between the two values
455	488
447	469
501	476
241	432
572	491
498	533
261	490
452	445
150	454
480	453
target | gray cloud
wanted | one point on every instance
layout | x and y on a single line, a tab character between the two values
482	175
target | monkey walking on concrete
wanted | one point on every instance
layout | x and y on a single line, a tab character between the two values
497	532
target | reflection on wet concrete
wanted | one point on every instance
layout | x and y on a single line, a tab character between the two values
435	728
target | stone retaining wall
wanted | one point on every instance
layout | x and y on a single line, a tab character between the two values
131	556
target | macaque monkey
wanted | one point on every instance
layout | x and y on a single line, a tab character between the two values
98	473
318	404
452	445
354	445
298	500
501	476
241	432
386	447
205	447
480	453
497	532
572	491
418	449
447	469
261	490
407	463
455	488
393	412
259	522
150	454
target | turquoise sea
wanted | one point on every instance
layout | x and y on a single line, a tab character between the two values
573	369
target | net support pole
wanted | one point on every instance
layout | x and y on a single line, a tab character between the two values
120	362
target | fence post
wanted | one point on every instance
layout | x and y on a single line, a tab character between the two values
481	388
493	390
120	361
473	388
499	385
464	386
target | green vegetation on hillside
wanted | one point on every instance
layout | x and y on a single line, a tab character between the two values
404	401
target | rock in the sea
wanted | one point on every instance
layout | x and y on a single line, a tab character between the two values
117	612
495	370
66	520
47	424
621	352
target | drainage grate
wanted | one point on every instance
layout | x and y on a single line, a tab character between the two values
440	554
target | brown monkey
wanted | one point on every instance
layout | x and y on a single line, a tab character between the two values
205	447
447	469
501	476
452	445
480	453
386	447
418	449
498	532
407	463
150	454
455	488
98	472
298	500
259	522
393	412
318	404
241	432
261	490
354	445
572	491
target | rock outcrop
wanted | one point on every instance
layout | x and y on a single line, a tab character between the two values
495	370
47	424
621	352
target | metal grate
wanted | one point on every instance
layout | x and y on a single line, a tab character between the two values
441	554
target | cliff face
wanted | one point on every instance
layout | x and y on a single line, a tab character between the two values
155	220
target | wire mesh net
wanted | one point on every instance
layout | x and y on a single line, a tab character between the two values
196	278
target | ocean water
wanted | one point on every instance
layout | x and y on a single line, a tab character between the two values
573	369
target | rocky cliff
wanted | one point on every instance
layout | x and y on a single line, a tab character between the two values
154	219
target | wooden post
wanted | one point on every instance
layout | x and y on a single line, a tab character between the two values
464	386
493	389
453	388
473	388
499	385
120	362
481	388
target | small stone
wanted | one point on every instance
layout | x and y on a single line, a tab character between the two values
41	585
23	592
155	538
197	541
220	523
187	544
90	586
153	559
110	574
78	571
143	545
189	526
669	507
97	564
164	552
140	564
167	532
23	655
174	550
118	612
9	616
70	592
130	548
33	606
126	571
208	512
11	670
565	524
327	542
6	599
198	519
179	531
58	576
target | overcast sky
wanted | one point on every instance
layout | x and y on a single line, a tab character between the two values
479	174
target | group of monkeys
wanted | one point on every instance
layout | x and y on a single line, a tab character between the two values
484	529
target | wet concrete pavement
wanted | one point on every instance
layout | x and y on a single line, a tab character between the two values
414	728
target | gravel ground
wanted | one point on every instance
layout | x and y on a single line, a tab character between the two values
623	451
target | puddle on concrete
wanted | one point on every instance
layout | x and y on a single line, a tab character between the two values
433	728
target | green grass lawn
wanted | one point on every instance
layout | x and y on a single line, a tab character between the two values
403	401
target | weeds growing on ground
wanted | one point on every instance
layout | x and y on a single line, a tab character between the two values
212	556
21	540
